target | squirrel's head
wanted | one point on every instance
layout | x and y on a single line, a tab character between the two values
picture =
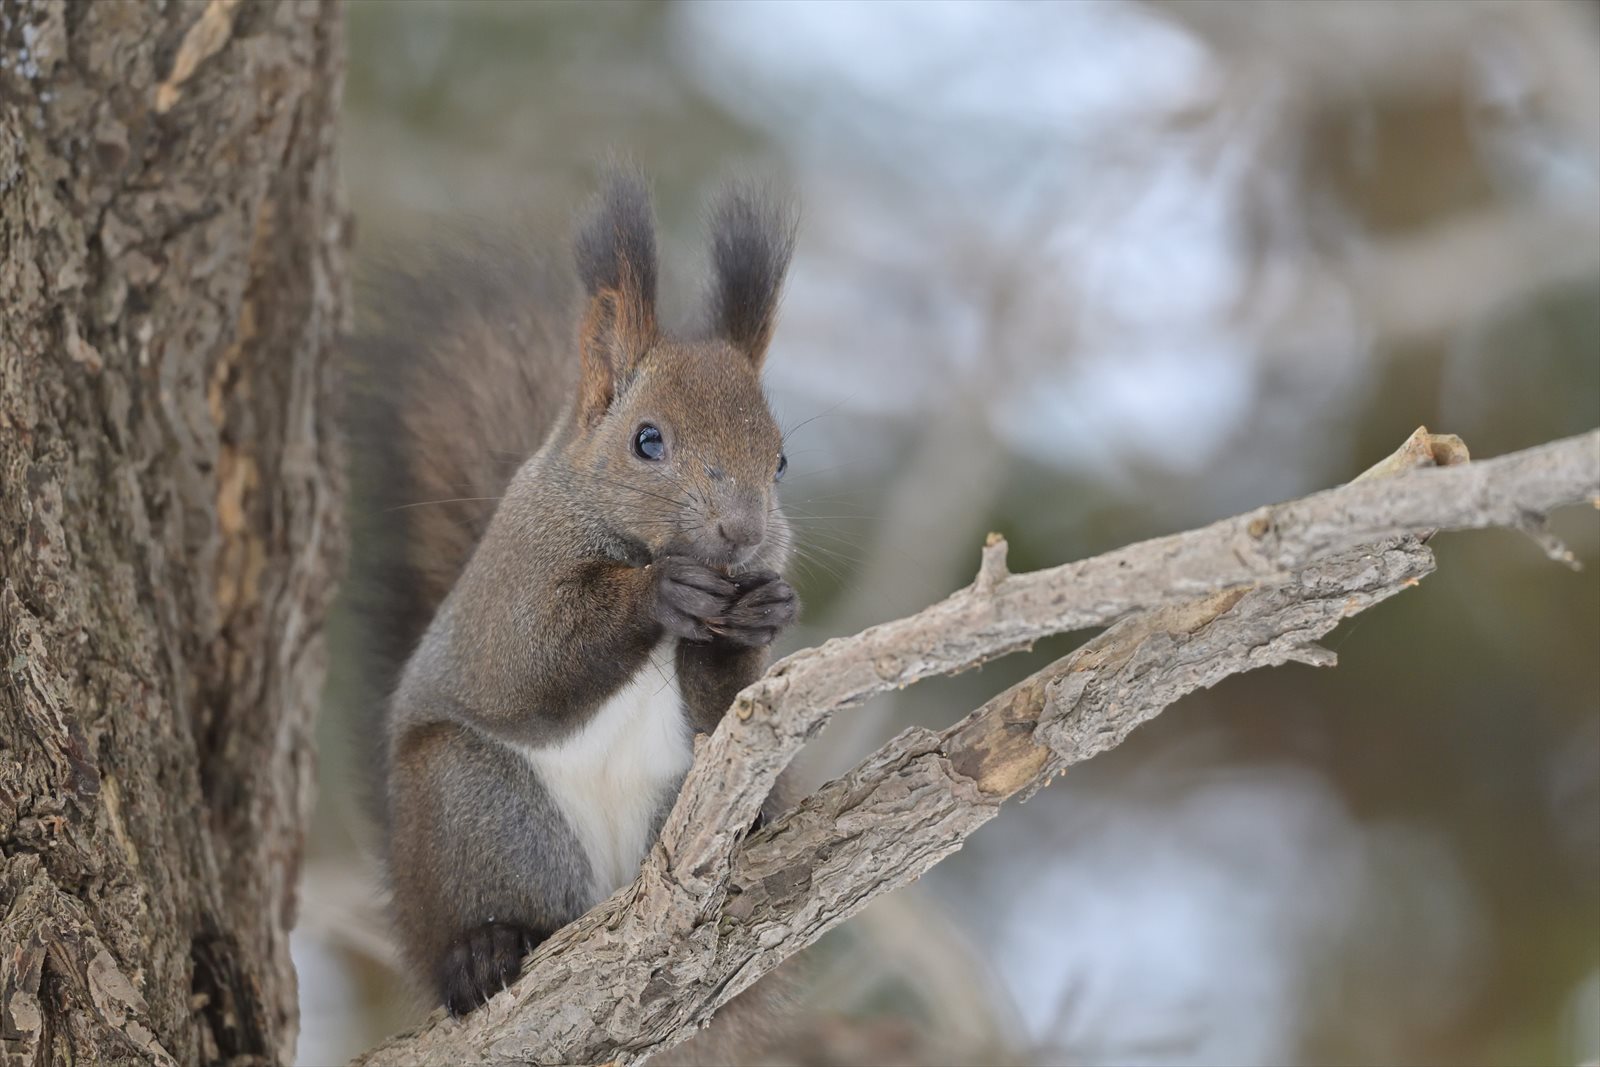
674	437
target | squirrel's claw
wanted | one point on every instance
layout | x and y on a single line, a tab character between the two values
482	962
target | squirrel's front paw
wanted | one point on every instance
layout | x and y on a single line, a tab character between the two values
688	595
481	962
762	606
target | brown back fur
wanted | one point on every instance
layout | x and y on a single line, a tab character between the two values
465	370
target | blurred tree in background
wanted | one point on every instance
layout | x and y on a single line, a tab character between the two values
1086	273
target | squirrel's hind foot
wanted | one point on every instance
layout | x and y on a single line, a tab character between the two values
482	962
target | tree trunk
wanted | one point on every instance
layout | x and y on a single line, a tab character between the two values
172	282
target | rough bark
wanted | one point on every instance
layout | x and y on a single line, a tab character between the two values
172	282
712	910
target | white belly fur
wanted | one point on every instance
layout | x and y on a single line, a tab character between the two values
613	776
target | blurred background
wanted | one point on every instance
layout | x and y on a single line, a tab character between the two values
1086	273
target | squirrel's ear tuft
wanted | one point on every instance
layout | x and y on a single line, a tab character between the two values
616	254
752	238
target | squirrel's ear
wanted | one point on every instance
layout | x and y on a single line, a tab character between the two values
752	239
616	253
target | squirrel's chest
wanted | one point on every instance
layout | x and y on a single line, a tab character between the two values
614	778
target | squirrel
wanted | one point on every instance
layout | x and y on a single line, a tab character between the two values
581	567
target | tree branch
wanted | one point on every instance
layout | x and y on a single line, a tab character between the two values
710	912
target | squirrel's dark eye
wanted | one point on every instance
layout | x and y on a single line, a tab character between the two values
647	443
783	465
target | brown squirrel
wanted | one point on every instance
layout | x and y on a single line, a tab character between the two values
581	570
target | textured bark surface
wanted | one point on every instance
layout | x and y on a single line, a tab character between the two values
172	282
712	911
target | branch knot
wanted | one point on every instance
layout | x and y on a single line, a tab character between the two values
992	570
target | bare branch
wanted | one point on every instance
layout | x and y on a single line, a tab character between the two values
707	917
773	718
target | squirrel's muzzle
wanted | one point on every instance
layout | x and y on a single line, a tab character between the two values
736	532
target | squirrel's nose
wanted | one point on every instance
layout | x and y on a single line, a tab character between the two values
742	531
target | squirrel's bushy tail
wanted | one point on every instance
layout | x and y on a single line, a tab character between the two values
456	376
